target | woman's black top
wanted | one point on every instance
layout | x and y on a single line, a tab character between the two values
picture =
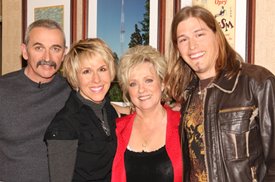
78	121
153	166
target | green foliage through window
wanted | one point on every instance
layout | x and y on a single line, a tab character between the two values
115	92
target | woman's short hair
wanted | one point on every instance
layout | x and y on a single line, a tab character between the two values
135	56
84	49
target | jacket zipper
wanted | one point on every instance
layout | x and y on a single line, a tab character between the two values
253	173
206	164
206	156
237	109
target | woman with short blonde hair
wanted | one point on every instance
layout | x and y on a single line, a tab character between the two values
81	138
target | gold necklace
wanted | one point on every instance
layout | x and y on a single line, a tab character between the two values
146	142
144	145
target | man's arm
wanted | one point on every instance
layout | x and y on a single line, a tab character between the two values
61	158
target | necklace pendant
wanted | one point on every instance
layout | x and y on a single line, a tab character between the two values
201	94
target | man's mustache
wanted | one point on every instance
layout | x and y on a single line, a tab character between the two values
44	62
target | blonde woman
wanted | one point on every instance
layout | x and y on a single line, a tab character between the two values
81	138
148	140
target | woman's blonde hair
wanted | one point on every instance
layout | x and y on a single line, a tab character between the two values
84	49
135	56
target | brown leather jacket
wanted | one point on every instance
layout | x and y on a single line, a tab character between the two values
239	126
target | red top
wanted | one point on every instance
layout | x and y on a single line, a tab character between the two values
173	147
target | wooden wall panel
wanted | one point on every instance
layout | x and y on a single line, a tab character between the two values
265	34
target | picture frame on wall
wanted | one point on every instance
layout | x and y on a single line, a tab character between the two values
62	11
243	22
120	22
